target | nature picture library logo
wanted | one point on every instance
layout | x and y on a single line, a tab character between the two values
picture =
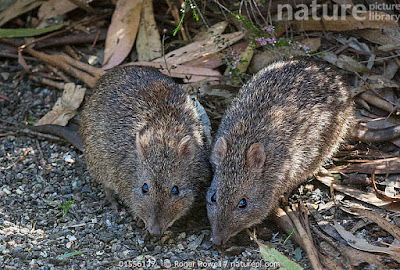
332	12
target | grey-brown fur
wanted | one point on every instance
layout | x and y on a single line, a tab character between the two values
283	125
140	128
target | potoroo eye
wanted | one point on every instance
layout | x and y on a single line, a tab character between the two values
242	203
175	190
145	188
214	198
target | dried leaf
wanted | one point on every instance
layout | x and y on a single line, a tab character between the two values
198	49
383	166
390	183
383	223
345	62
354	43
368	197
148	43
359	243
391	69
246	57
388	47
262	59
350	64
183	71
216	29
122	32
380	102
52	8
358	258
380	81
65	107
389	36
214	60
358	90
312	43
18	8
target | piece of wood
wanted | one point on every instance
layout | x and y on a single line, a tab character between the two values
383	166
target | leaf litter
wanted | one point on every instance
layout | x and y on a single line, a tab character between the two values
360	49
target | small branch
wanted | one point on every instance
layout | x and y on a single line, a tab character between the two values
334	245
308	244
72	39
58	85
26	131
41	156
88	74
285	223
4	97
361	133
17	161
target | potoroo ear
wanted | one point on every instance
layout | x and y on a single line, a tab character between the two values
142	141
255	157
186	148
219	151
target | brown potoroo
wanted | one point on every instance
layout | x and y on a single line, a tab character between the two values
144	142
283	125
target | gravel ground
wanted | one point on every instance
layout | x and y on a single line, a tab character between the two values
40	178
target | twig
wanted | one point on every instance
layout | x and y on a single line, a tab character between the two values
304	218
71	52
12	55
396	59
387	244
26	131
72	39
332	244
369	86
284	222
308	244
9	122
58	73
96	39
4	97
58	85
17	161
7	134
90	74
41	156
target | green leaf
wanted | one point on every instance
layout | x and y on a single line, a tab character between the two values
297	253
51	203
27	32
30	120
274	256
70	254
337	176
289	236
